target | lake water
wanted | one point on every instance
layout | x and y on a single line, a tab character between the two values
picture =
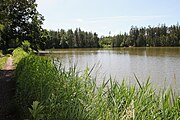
162	65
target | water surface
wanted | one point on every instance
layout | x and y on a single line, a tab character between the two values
162	65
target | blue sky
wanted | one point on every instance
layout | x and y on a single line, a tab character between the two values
102	16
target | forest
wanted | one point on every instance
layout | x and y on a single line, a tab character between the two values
158	36
71	39
20	21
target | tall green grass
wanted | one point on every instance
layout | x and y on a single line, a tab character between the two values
35	81
50	93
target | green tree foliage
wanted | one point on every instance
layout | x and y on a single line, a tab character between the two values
26	46
141	37
21	21
70	39
1	32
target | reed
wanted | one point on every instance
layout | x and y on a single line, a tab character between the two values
49	92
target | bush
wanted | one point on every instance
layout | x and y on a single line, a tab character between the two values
26	46
19	54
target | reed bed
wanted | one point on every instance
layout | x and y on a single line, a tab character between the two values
49	92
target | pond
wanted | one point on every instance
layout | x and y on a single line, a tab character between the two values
162	64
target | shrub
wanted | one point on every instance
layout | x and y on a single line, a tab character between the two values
19	54
26	46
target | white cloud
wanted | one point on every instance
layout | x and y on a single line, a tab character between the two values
119	18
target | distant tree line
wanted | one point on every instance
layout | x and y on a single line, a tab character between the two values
150	36
71	39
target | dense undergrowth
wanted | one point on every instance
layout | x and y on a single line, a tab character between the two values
50	93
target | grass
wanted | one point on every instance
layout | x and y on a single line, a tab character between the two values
3	60
50	93
18	54
35	76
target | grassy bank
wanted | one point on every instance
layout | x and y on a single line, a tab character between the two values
50	93
3	60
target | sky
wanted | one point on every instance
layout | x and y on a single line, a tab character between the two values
108	16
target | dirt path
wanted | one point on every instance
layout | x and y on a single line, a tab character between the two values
7	92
